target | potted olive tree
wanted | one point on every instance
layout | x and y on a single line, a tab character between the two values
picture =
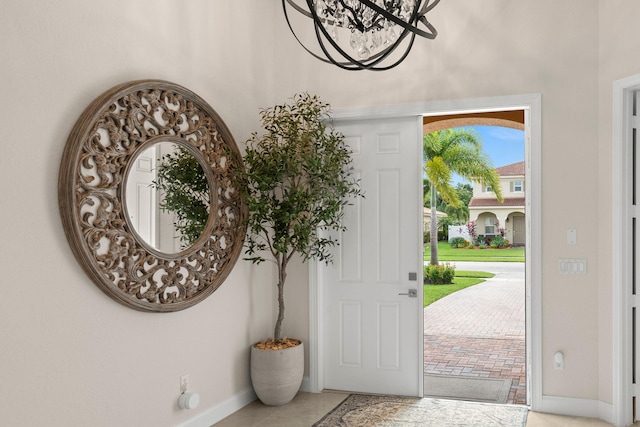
298	178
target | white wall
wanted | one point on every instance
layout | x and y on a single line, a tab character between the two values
618	58
72	356
69	355
494	48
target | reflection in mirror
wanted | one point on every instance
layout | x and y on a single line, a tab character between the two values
167	197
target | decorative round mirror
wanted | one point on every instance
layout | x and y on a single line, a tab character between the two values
149	197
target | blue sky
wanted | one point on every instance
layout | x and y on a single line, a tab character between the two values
503	145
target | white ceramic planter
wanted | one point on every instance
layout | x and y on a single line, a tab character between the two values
277	374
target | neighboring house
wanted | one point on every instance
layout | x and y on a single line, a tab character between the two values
490	215
426	218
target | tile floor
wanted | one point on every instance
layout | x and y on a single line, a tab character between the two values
307	408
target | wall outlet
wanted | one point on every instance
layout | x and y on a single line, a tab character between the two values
558	360
184	383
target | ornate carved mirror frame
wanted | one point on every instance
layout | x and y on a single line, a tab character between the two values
105	140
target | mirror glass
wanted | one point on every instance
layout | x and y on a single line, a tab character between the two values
168	197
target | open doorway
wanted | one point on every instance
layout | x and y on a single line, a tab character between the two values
475	339
320	362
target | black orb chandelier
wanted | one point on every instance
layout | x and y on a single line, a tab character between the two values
373	29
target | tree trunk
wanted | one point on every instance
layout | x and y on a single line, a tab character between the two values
433	229
282	276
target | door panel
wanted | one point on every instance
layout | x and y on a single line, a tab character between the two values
373	335
519	230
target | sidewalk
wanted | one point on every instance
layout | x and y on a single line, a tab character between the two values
480	330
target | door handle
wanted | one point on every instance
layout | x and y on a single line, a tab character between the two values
412	293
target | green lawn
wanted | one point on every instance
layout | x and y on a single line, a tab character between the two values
447	253
463	279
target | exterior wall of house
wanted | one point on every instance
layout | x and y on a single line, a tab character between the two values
512	186
426	218
507	184
85	360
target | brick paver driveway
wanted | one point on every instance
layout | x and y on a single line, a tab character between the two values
480	331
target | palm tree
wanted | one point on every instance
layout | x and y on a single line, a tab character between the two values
457	151
458	215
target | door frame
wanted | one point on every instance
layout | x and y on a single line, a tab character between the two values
532	105
623	90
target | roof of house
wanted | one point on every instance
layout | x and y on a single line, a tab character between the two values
493	201
427	211
513	169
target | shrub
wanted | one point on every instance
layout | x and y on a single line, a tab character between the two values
498	242
471	226
458	242
439	274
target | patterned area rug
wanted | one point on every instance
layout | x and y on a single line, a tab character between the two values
391	411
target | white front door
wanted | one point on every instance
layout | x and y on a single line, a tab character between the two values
141	195
373	329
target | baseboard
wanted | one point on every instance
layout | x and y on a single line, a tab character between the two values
229	406
306	385
222	410
577	407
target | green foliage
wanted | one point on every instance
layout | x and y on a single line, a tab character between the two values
186	193
458	242
443	236
449	254
478	274
439	274
498	242
463	279
439	175
457	151
457	216
298	179
465	193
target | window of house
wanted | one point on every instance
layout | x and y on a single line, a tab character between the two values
517	186
489	226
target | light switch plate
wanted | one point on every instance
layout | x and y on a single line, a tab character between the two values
572	266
